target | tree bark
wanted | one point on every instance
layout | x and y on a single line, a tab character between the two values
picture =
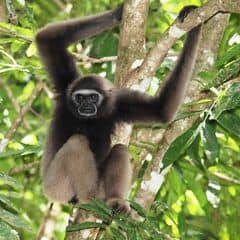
3	11
132	40
207	54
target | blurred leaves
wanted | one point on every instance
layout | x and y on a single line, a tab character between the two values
9	216
179	146
228	99
6	232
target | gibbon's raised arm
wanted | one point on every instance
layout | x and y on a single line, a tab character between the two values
135	106
53	40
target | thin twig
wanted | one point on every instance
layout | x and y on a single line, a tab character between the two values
10	133
14	102
46	217
60	4
23	168
86	59
15	34
12	17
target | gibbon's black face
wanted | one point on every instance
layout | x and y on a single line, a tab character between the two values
87	102
90	97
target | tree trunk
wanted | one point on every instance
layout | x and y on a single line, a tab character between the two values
207	54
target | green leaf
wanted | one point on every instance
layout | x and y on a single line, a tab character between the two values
140	210
27	91
183	115
207	76
231	53
103	206
32	50
17	45
230	122
180	145
227	72
6	232
19	153
122	222
197	189
105	44
17	31
182	226
210	143
7	202
176	183
194	152
84	225
229	100
226	173
21	2
116	233
14	220
30	139
91	207
6	180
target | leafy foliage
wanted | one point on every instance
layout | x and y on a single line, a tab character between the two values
10	218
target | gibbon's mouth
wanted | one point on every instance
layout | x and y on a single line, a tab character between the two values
87	110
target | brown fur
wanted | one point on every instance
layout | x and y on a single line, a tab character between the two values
72	172
78	160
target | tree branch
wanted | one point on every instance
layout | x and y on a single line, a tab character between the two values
23	168
86	59
132	39
12	99
156	55
20	117
208	48
12	17
3	11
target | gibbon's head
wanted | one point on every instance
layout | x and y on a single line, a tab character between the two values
90	97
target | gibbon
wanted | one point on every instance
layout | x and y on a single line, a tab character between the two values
78	157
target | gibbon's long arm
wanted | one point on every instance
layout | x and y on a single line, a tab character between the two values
53	40
135	106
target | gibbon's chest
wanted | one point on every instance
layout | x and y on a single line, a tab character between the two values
99	137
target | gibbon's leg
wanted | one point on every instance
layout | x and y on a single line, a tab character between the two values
72	174
117	178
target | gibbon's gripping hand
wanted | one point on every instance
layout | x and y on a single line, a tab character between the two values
117	13
185	11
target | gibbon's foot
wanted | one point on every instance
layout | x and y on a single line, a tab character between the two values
118	205
185	11
73	200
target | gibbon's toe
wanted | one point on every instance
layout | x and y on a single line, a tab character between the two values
73	200
118	206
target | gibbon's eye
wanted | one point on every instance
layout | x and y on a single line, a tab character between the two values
79	98
94	97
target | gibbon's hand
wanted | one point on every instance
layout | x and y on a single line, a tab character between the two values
117	13
185	11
